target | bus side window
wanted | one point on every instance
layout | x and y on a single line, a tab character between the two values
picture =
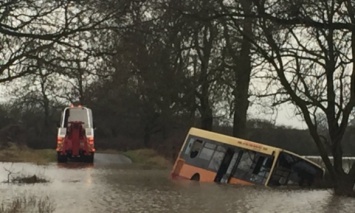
207	151
195	149
262	166
244	169
188	146
259	163
216	160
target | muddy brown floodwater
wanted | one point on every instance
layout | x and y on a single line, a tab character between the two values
122	187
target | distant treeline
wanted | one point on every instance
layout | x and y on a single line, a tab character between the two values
28	128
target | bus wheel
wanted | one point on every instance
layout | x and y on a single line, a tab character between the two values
89	158
195	177
61	158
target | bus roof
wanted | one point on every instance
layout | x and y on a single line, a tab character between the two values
234	141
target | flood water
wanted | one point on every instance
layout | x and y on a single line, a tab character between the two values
105	188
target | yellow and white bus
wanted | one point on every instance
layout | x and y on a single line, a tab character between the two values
212	157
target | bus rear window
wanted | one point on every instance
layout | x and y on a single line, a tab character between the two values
292	170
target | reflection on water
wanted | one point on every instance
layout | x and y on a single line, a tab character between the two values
100	188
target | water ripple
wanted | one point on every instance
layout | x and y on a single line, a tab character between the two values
80	188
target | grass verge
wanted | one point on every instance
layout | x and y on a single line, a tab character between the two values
16	153
148	158
28	204
145	158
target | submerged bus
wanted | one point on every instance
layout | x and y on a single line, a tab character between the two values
212	157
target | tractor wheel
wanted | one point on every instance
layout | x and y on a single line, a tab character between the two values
61	158
89	158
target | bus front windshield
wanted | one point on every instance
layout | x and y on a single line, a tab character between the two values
293	170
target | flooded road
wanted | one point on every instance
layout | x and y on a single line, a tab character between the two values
122	187
108	159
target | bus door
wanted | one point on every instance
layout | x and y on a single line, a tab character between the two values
226	165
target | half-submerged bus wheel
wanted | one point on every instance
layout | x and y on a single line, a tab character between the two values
61	158
195	177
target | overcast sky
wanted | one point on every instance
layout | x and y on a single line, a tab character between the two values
286	117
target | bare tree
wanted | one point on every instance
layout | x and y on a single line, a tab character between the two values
311	47
29	29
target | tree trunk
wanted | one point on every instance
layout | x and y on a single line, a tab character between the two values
46	111
240	117
146	140
204	54
337	156
344	185
241	102
206	118
242	76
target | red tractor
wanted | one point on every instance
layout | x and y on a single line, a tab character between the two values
76	135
